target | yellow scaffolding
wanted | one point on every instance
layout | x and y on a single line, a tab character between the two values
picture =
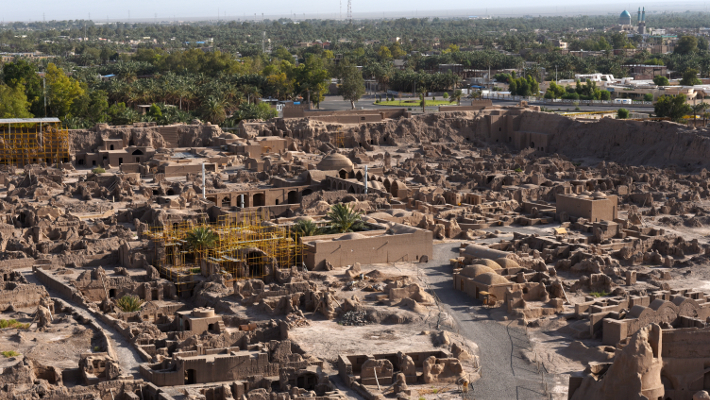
338	140
246	248
33	140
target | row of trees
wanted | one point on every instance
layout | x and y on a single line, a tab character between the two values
586	91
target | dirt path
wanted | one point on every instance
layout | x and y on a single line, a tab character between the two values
128	356
505	372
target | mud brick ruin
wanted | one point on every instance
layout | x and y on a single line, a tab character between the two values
334	254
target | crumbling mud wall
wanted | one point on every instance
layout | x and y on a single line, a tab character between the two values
623	141
196	134
627	142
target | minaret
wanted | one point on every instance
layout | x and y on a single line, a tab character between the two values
639	17
642	22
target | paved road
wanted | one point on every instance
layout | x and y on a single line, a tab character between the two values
505	374
336	103
128	356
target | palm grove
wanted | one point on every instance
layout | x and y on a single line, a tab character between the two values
222	79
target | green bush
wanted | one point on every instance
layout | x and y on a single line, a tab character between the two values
12	323
98	170
599	294
518	170
129	303
10	353
622	113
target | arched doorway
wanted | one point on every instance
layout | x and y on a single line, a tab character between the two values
292	197
258	200
343	174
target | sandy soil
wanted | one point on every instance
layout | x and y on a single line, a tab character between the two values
61	345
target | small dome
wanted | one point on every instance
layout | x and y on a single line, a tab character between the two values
473	271
334	162
625	14
599	195
491	278
488	263
227	135
351	236
507	263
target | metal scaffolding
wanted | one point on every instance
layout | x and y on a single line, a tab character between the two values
246	248
33	140
338	139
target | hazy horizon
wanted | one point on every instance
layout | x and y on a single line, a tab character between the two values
161	10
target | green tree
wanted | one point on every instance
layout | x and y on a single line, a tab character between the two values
343	219
661	80
62	91
200	239
214	110
13	102
555	91
129	303
673	107
456	97
22	72
690	77
396	50
384	53
622	113
155	112
119	114
91	108
311	79
306	227
686	45
352	85
648	97
282	53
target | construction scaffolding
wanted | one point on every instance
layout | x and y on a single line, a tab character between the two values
245	248
33	140
338	139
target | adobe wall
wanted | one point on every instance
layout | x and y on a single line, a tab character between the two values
379	249
173	170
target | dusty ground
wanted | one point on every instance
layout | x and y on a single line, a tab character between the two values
61	345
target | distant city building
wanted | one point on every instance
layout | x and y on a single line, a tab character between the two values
625	18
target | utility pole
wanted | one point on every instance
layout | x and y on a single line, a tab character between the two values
204	192
365	179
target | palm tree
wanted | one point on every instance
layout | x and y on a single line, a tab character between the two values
422	102
456	97
306	227
252	93
214	110
200	239
344	219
